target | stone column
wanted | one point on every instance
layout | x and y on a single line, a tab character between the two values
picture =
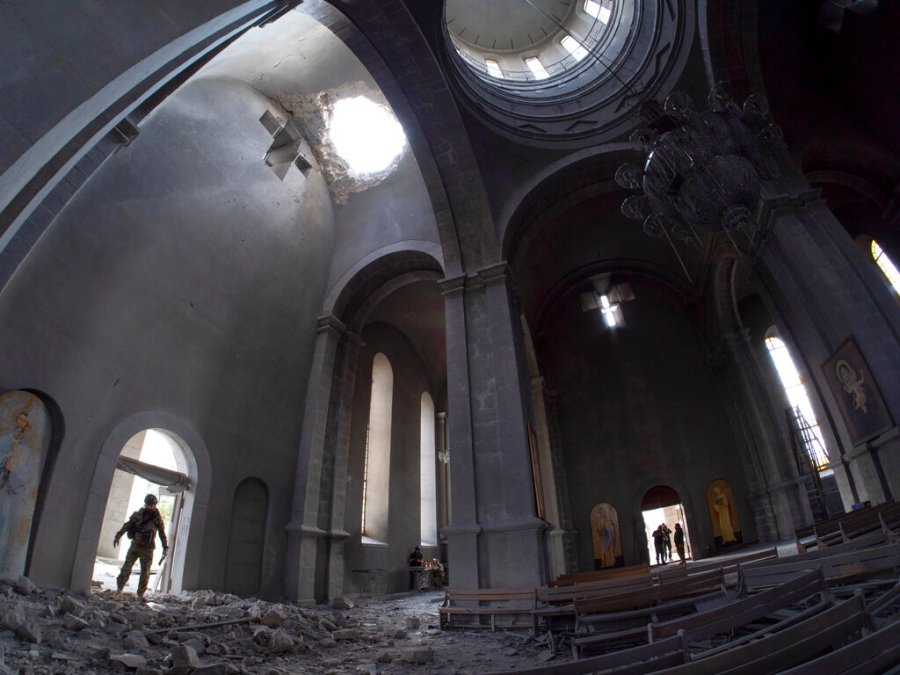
827	291
337	499
556	543
776	490
462	532
304	533
492	488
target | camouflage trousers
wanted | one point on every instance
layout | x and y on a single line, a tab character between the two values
135	553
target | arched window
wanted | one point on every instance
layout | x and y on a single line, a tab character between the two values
377	467
427	480
799	400
887	266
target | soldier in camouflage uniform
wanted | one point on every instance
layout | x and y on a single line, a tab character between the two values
145	523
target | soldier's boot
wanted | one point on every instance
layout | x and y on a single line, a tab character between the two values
117	595
141	598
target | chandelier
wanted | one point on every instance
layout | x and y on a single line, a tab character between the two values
702	172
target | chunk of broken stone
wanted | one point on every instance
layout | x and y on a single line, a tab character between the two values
30	631
327	643
24	586
280	642
216	669
412	622
418	655
342	602
346	634
129	660
72	622
274	617
135	640
69	605
184	656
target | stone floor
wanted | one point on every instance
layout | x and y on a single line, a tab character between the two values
51	631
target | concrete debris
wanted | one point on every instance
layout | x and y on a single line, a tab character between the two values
129	660
419	655
45	631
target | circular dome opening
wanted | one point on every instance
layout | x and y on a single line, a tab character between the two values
564	71
522	44
366	135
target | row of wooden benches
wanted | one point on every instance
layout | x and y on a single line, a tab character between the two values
558	606
848	526
798	623
828	637
756	594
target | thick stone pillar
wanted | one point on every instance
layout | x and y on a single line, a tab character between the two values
335	507
556	552
305	579
827	290
776	490
495	537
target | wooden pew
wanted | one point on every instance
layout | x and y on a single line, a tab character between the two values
601	575
829	629
722	619
728	617
838	530
643	659
729	565
837	568
871	655
556	608
692	585
472	605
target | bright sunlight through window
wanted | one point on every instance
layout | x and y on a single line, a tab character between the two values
537	68
889	269
493	68
366	135
595	10
572	46
799	400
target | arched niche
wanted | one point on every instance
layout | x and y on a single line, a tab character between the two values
25	435
185	556
247	538
723	515
606	537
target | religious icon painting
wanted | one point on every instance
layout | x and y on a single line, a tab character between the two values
856	393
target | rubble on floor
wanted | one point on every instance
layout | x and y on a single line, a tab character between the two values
45	630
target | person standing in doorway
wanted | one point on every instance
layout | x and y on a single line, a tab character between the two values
659	543
142	528
679	541
667	556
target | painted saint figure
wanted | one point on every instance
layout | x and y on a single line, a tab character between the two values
722	511
606	538
852	383
24	439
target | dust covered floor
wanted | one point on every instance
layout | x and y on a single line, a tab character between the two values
53	631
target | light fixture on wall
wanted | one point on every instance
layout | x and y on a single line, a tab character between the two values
703	171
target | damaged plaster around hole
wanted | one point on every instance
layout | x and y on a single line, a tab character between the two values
312	113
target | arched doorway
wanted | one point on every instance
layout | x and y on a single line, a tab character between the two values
152	461
662	505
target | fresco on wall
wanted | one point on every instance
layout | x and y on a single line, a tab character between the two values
24	439
606	537
856	392
723	513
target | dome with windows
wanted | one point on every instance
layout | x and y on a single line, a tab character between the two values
565	71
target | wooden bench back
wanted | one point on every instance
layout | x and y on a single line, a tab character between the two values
695	584
868	561
780	650
600	575
741	612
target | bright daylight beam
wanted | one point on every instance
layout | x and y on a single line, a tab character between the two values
366	135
